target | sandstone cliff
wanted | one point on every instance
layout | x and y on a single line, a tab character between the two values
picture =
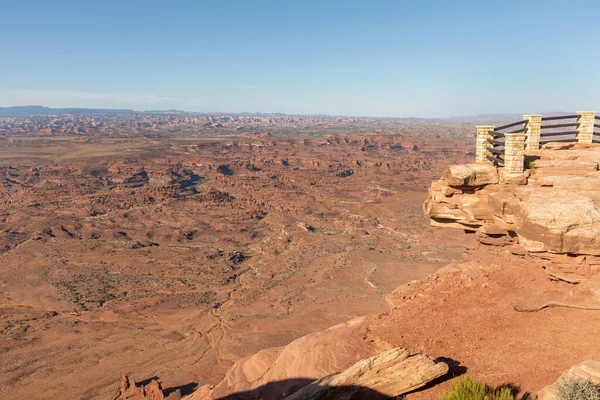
551	211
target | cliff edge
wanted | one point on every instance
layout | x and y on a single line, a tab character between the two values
552	211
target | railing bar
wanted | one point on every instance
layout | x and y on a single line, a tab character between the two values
510	125
596	116
596	125
495	151
495	160
496	142
560	125
558	140
561	117
562	133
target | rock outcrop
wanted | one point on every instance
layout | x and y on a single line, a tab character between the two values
390	374
586	371
310	357
552	210
325	365
130	390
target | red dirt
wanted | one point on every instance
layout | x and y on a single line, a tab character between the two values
466	314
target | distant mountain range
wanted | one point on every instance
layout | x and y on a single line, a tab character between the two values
30	111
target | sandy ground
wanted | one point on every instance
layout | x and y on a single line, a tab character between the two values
466	313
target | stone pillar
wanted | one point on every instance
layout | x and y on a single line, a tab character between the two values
514	153
484	135
585	126
532	131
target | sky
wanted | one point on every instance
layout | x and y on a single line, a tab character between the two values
397	58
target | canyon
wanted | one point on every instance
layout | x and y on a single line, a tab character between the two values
175	258
256	266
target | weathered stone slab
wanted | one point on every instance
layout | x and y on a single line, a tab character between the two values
471	175
391	374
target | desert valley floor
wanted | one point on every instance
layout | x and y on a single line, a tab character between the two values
172	258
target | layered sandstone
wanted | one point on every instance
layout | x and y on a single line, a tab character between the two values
551	211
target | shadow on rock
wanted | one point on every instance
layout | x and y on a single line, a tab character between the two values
283	389
183	390
454	370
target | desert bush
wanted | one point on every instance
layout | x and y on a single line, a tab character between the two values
530	165
577	389
468	388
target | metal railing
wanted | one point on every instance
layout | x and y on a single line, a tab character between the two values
497	142
556	132
494	143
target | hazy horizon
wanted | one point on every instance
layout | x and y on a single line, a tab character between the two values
216	112
431	59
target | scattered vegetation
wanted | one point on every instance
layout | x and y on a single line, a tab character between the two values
225	170
577	389
468	388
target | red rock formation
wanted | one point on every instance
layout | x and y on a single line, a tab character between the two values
553	212
129	390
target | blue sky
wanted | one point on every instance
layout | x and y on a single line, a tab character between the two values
377	58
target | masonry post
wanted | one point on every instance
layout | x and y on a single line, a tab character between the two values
532	131
514	153
484	135
585	126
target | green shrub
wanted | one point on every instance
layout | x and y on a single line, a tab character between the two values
468	388
577	389
530	165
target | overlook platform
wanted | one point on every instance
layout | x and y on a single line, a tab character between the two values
532	192
507	145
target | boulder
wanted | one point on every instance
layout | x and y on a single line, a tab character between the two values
471	175
385	375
